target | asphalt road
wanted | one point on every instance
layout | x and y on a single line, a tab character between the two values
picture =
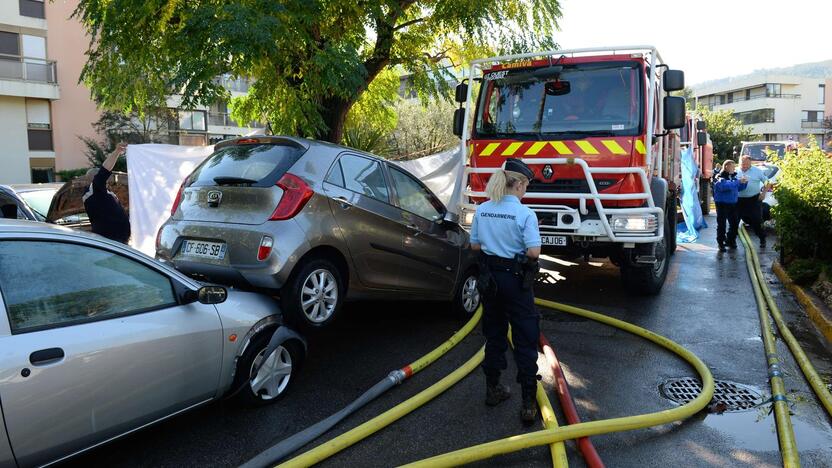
706	305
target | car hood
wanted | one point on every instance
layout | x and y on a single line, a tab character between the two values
69	199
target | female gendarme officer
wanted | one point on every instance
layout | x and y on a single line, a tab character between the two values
507	236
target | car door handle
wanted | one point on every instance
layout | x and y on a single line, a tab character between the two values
414	228
345	204
46	356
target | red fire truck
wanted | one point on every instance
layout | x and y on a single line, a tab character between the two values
595	125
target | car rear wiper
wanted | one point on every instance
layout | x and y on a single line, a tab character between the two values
227	180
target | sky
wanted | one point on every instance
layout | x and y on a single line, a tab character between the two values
707	39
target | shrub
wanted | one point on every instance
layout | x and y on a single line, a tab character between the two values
804	271
804	211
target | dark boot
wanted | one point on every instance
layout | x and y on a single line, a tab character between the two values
496	394
528	409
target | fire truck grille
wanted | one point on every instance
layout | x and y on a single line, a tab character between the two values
568	185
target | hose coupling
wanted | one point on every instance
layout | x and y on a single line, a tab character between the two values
397	376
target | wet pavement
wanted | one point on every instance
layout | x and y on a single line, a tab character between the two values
706	305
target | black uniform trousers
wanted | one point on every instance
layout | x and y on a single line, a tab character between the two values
727	213
751	212
511	305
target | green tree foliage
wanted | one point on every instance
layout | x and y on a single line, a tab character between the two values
422	129
116	127
311	59
726	131
804	211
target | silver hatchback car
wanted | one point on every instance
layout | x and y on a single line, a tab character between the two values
98	340
316	224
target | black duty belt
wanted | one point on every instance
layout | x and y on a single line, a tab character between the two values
500	262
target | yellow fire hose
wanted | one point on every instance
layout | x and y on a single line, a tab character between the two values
544	437
815	381
785	431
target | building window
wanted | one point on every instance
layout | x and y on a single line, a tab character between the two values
32	8
773	90
39	125
747	94
756	116
730	98
192	120
822	94
721	99
42	170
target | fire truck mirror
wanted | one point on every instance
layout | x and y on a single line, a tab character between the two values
701	125
557	88
674	80
674	112
461	93
701	139
459	121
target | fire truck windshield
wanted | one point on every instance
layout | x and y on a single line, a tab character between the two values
592	99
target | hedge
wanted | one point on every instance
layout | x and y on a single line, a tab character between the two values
803	214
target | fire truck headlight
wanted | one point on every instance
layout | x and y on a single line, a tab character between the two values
635	223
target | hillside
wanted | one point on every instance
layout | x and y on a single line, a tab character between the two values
810	70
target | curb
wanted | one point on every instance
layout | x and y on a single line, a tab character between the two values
820	315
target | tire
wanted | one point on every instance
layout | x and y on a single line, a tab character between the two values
647	280
274	382
705	195
671	224
466	296
301	288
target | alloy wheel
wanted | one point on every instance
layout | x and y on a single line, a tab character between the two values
319	296
470	295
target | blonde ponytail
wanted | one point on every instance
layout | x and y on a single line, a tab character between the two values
500	182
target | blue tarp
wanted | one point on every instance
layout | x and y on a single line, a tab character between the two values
691	209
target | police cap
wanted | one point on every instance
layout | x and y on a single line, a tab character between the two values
516	165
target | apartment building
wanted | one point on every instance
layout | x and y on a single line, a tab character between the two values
28	87
775	107
44	111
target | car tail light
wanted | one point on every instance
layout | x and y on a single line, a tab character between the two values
265	249
178	199
295	195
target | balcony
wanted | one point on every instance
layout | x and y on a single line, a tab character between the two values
811	124
225	120
15	67
240	85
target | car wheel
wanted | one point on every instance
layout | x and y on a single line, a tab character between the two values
266	379
313	297
467	296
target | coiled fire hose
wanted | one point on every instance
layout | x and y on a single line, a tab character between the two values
544	437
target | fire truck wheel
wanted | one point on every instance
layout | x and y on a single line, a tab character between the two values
671	221
705	195
647	280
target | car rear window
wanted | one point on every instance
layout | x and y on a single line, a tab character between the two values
247	165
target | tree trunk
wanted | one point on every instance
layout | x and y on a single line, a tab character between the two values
334	113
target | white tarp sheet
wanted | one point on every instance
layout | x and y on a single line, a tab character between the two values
439	172
156	172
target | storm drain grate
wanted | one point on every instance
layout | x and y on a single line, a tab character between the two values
728	396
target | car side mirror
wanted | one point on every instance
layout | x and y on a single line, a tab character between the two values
673	80
674	112
212	295
459	121
701	139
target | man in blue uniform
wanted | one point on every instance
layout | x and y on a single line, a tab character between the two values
750	201
507	235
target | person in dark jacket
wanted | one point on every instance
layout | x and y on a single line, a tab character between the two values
726	189
106	214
